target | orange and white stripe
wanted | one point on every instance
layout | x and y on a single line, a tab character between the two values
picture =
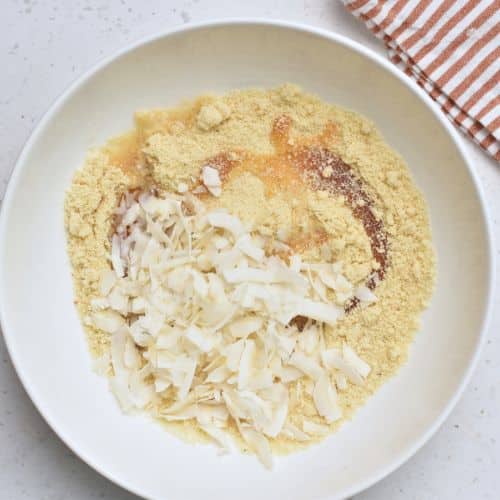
451	48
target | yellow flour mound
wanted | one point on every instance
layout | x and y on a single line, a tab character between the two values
169	147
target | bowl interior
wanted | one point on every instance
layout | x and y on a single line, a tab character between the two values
42	329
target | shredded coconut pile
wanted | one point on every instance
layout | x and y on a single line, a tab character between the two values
200	311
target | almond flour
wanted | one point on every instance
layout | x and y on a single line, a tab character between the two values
169	148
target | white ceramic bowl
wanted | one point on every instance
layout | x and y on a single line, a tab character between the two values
41	327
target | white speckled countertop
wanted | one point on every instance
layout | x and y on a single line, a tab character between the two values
45	45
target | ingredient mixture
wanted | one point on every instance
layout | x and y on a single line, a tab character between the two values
248	268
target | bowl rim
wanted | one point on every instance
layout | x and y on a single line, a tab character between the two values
331	36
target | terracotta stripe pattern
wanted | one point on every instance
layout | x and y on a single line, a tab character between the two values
451	48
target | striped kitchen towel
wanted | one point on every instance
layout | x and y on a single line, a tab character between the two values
451	48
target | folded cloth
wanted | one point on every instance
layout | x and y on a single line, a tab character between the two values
451	48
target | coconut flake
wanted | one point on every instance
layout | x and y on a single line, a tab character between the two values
246	364
108	280
131	214
341	381
277	393
219	375
118	301
119	387
225	221
116	260
243	327
259	445
355	361
289	374
292	432
131	356
319	311
246	275
211	413
200	338
188	378
138	305
233	353
109	321
247	246
211	179
219	437
262	379
161	384
364	294
141	393
99	304
306	364
325	399
332	358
